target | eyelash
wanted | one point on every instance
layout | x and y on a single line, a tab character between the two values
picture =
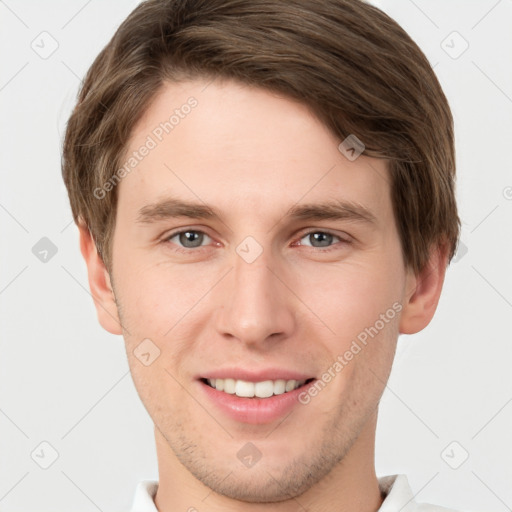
344	241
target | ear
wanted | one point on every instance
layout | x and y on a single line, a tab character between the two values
99	283
422	292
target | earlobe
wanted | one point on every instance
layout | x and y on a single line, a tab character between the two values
99	283
422	292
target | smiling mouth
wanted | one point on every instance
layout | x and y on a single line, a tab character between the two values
262	389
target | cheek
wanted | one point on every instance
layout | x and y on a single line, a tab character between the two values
155	298
351	296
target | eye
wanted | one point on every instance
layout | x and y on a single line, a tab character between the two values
193	238
189	238
321	239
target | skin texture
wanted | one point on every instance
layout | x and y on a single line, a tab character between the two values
252	155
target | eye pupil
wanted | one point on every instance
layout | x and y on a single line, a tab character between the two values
321	239
191	239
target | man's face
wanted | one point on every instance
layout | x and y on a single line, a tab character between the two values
256	292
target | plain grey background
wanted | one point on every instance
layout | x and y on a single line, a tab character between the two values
446	414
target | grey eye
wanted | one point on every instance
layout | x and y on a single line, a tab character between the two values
190	238
319	239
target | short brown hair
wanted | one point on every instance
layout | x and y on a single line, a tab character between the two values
355	67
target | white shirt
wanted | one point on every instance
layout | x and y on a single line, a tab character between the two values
399	497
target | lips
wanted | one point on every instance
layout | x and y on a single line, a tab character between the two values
257	411
257	397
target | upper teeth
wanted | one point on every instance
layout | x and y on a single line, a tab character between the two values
262	389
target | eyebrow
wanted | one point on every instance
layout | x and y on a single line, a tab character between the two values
329	210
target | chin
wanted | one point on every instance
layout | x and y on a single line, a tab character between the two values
272	479
258	485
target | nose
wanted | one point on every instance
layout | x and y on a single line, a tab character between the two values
256	307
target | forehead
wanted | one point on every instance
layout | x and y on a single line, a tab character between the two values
242	149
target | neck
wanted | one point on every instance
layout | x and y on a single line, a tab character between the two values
351	485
